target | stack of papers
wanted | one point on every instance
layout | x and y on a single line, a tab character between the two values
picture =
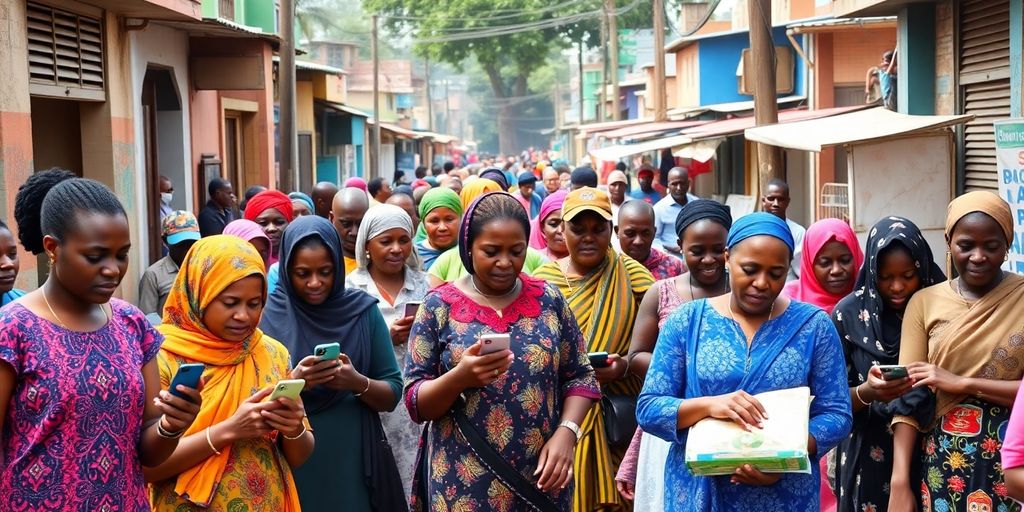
718	447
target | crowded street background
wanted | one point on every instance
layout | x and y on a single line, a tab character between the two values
512	256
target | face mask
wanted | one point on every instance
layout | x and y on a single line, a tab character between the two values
165	198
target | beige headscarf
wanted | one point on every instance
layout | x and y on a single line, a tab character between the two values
984	202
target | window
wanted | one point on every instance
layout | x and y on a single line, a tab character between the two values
65	54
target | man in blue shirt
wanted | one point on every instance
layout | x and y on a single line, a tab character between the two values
646	193
668	208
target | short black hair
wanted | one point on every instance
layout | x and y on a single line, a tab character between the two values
47	202
421	172
436	170
216	185
497	206
777	183
584	177
448	166
374	186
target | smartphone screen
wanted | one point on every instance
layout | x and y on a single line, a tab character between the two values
494	342
411	308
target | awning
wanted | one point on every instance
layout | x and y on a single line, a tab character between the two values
398	130
438	137
586	129
728	108
305	65
841	24
850	128
707	131
639	130
341	107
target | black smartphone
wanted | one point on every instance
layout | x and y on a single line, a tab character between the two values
598	359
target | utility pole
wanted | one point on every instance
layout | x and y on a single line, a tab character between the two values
613	35
602	96
430	99
579	62
288	160
375	151
762	74
660	108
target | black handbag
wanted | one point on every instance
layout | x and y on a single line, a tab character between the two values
619	419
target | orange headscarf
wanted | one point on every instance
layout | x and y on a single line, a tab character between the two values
233	369
476	188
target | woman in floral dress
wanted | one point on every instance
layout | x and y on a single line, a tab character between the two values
963	339
898	264
526	403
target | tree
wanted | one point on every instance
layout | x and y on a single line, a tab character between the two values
507	61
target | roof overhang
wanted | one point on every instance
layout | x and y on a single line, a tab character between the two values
302	65
851	128
872	7
341	107
219	27
176	10
842	24
728	108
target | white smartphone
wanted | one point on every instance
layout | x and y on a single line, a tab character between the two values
494	343
288	388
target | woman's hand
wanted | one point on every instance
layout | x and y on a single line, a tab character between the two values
476	371
248	421
884	390
626	489
748	475
346	378
616	369
178	413
286	416
740	408
556	460
315	371
901	498
400	330
927	374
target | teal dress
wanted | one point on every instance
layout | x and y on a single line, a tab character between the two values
332	478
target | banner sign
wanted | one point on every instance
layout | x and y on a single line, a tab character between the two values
1010	163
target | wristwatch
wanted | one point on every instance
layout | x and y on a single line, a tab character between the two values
573	427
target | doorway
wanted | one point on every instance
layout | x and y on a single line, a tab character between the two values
164	152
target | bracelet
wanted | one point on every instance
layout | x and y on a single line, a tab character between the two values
160	431
210	442
573	427
300	434
361	393
856	392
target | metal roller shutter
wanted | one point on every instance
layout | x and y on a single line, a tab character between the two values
984	78
65	54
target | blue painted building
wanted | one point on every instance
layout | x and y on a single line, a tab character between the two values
341	148
709	71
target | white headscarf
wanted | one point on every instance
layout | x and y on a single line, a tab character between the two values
378	219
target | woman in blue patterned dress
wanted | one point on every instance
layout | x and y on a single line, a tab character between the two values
713	354
525	404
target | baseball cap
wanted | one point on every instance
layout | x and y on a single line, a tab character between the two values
586	199
179	226
526	178
583	176
645	170
617	177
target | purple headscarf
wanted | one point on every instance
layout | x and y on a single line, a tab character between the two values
356	183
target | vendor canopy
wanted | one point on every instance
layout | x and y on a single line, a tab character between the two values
850	128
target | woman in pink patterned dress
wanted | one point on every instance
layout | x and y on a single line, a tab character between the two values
80	400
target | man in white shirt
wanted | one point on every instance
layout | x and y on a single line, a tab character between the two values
667	209
776	202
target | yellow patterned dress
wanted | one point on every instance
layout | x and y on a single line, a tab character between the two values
604	303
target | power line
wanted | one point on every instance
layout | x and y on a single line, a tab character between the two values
512	13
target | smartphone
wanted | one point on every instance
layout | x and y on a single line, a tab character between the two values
411	308
188	375
893	371
327	351
288	388
494	343
598	359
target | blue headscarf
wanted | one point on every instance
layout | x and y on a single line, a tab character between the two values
757	224
299	196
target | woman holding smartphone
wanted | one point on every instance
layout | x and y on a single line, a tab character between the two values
504	423
604	290
241	448
343	395
962	339
388	270
898	264
81	409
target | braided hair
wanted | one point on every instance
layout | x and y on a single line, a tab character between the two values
497	207
47	202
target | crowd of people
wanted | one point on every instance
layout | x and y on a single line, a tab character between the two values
502	337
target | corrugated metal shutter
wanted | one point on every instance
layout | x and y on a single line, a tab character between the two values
985	85
65	53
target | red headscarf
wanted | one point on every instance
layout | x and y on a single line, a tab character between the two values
807	288
269	199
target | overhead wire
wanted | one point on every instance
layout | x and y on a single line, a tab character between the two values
513	13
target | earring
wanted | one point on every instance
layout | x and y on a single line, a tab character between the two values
367	255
